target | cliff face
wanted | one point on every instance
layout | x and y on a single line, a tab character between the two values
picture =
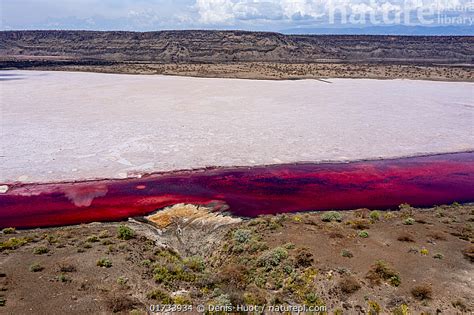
233	46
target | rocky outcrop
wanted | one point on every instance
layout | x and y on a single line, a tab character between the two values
234	46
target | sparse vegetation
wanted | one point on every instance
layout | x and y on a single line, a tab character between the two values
272	258
242	235
468	253
422	292
331	216
363	234
12	243
122	281
125	233
92	239
346	253
36	267
349	285
359	224
401	310
9	230
104	262
374	215
64	278
460	305
195	263
172	273
404	207
304	258
374	308
255	266
67	267
382	271
160	297
409	221
121	303
104	234
40	250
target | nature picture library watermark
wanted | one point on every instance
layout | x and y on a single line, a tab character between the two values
395	12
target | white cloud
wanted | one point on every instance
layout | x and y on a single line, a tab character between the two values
243	14
215	11
229	11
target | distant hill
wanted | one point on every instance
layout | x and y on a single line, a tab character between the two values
234	46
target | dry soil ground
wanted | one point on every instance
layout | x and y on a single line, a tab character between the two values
353	262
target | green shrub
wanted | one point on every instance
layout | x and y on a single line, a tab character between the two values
374	308
63	278
104	262
274	224
401	310
331	216
272	258
104	234
256	246
146	262
242	235
160	296
404	206
346	253
9	230
374	215
288	269
125	233
40	250
363	234
182	300
3	301
92	239
312	299
122	280
36	267
222	300
289	245
395	280
409	221
13	243
51	239
195	263
172	273
168	255
382	271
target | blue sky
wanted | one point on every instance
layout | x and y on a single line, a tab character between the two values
268	15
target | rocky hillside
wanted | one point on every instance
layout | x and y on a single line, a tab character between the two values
233	46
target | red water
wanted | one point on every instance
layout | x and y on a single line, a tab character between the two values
248	191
